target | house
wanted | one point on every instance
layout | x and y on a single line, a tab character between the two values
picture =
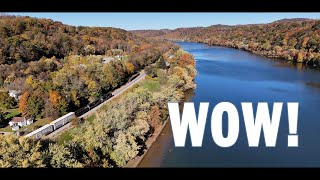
18	122
15	94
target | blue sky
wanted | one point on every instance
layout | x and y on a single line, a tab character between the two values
132	21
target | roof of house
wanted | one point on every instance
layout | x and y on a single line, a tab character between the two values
14	91
17	119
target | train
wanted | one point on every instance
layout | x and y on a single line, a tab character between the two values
56	124
92	105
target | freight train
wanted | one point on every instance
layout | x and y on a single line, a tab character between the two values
56	124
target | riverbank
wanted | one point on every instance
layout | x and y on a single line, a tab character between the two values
137	160
269	54
159	143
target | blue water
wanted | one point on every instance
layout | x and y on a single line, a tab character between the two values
236	76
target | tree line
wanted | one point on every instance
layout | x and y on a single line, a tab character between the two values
296	40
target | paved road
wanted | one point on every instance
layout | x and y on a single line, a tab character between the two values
115	93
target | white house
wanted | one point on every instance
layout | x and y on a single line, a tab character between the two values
18	122
15	94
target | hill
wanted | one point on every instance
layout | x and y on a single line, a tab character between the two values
59	68
296	40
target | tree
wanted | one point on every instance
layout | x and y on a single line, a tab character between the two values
89	49
54	97
63	106
61	157
125	149
6	102
129	67
151	71
300	57
154	119
50	110
35	105
23	103
2	121
161	63
266	45
22	152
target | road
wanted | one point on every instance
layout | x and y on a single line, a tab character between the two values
115	94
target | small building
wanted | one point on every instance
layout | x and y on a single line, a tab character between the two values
15	94
106	60
18	122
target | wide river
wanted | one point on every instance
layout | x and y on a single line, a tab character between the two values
226	74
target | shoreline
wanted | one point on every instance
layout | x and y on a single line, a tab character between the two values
133	163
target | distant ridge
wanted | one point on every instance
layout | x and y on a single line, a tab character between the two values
292	20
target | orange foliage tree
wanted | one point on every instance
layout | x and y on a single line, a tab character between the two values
54	97
23	103
130	67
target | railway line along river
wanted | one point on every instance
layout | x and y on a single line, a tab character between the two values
236	76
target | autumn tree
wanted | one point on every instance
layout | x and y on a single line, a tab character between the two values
22	152
23	104
61	157
130	67
154	119
125	149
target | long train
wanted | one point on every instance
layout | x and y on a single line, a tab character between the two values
56	124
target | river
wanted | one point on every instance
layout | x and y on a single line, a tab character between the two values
226	74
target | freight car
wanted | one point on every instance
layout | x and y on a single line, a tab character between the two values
62	120
44	130
54	125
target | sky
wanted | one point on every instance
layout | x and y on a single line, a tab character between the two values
134	21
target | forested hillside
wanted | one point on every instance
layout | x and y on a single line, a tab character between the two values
59	68
29	39
296	40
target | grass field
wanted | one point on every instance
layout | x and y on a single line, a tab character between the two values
12	113
152	85
125	58
6	129
64	137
